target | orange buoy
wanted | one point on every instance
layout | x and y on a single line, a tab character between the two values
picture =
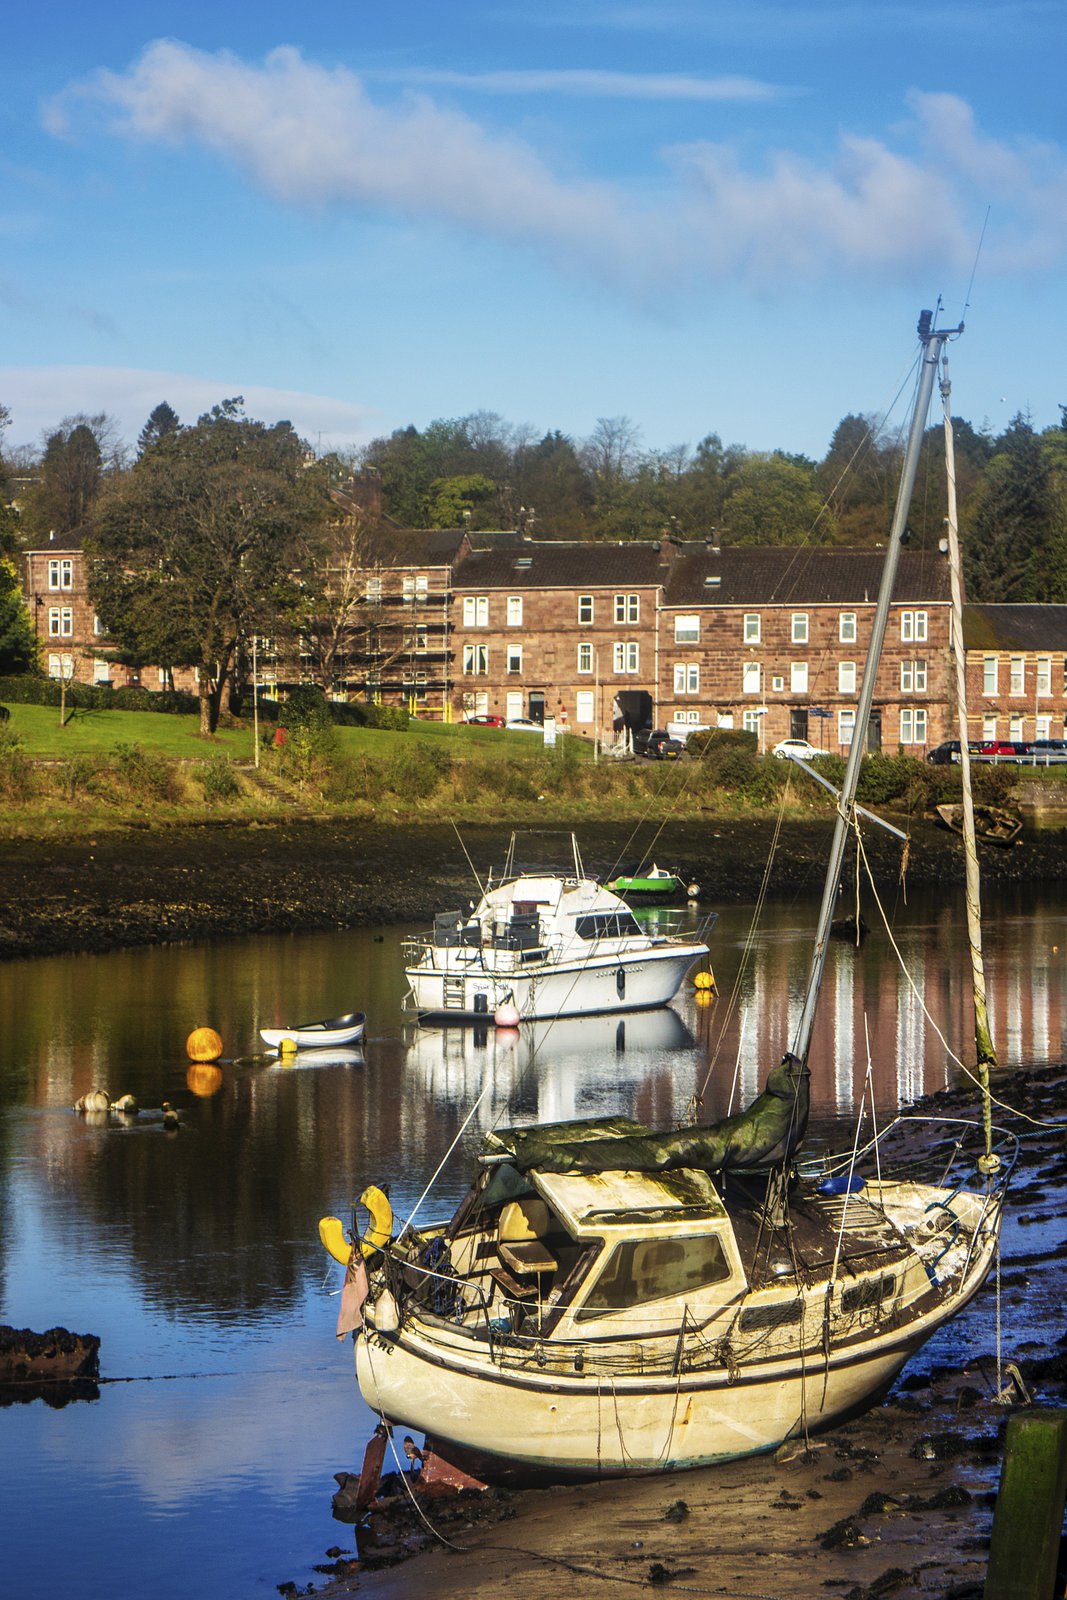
203	1044
204	1078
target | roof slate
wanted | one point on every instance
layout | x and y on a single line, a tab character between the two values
1015	627
820	575
530	564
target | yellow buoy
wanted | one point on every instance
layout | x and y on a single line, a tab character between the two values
204	1078
287	1047
203	1044
380	1231
332	1234
704	980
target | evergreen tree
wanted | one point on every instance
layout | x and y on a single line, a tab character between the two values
1012	539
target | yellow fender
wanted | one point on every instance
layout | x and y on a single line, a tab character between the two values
334	1239
380	1231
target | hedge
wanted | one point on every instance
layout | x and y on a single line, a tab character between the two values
30	690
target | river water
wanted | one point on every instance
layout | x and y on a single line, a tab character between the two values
205	1466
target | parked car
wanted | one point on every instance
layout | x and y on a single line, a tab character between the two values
658	745
789	748
523	722
949	751
485	722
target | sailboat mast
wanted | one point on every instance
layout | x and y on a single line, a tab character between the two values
982	1036
933	342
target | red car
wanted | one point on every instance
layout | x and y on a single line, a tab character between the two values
485	722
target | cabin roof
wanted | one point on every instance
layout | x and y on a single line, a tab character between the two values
602	1204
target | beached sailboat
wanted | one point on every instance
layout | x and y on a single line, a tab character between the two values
607	1299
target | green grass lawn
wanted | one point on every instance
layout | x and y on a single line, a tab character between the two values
97	732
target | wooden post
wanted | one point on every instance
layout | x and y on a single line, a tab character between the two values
1028	1519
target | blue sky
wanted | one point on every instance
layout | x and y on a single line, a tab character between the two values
706	217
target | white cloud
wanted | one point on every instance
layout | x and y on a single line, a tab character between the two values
39	398
313	137
594	84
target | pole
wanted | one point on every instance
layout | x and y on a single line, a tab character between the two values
255	700
982	1037
933	343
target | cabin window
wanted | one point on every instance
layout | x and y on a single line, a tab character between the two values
871	1292
761	1319
607	925
640	1270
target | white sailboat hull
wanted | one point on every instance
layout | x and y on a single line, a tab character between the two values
613	1424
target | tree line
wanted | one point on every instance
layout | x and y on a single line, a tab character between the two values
210	527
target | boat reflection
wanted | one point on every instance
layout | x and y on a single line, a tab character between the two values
325	1056
640	1064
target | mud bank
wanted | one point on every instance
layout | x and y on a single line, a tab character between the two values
158	885
897	1503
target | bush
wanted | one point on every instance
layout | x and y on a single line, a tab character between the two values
35	690
146	775
18	776
218	778
413	772
708	739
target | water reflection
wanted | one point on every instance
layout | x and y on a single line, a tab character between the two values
194	1254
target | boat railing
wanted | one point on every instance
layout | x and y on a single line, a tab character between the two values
675	924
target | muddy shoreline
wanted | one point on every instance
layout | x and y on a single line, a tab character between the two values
161	884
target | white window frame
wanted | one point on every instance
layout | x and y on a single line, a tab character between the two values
752	630
913	627
798	677
514	610
585	608
750	720
989	728
686	677
475	660
585	658
687	630
799	627
1015	725
514	658
846	725
584	706
1017	680
1043	686
476	611
913	676
751	675
912	725
53	622
627	608
989	674
846	627
53	576
514	705
846	677
778	685
374	589
1043	726
626	655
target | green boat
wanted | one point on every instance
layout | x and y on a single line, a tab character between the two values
656	882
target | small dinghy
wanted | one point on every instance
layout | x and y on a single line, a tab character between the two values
317	1035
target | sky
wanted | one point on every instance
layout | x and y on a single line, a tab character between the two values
703	217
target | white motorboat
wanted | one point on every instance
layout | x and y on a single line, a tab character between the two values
317	1035
607	1299
555	944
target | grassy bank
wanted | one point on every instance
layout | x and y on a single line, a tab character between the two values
109	768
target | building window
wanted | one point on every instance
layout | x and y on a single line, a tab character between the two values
750	721
53	574
846	725
374	590
1017	681
846	627
1043	726
585	608
415	585
798	677
777	684
585	658
913	677
513	706
686	677
752	629
989	675
1044	675
846	677
913	725
476	659
989	728
750	677
583	706
1015	726
476	611
53	622
913	627
687	630
626	656
800	627
627	608
102	672
514	657
514	610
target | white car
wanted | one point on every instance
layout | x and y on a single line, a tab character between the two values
522	722
796	747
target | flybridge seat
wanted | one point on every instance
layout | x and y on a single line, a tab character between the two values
522	932
520	1235
450	931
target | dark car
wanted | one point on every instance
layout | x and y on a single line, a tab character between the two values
658	745
942	754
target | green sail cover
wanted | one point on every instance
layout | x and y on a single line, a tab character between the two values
769	1131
